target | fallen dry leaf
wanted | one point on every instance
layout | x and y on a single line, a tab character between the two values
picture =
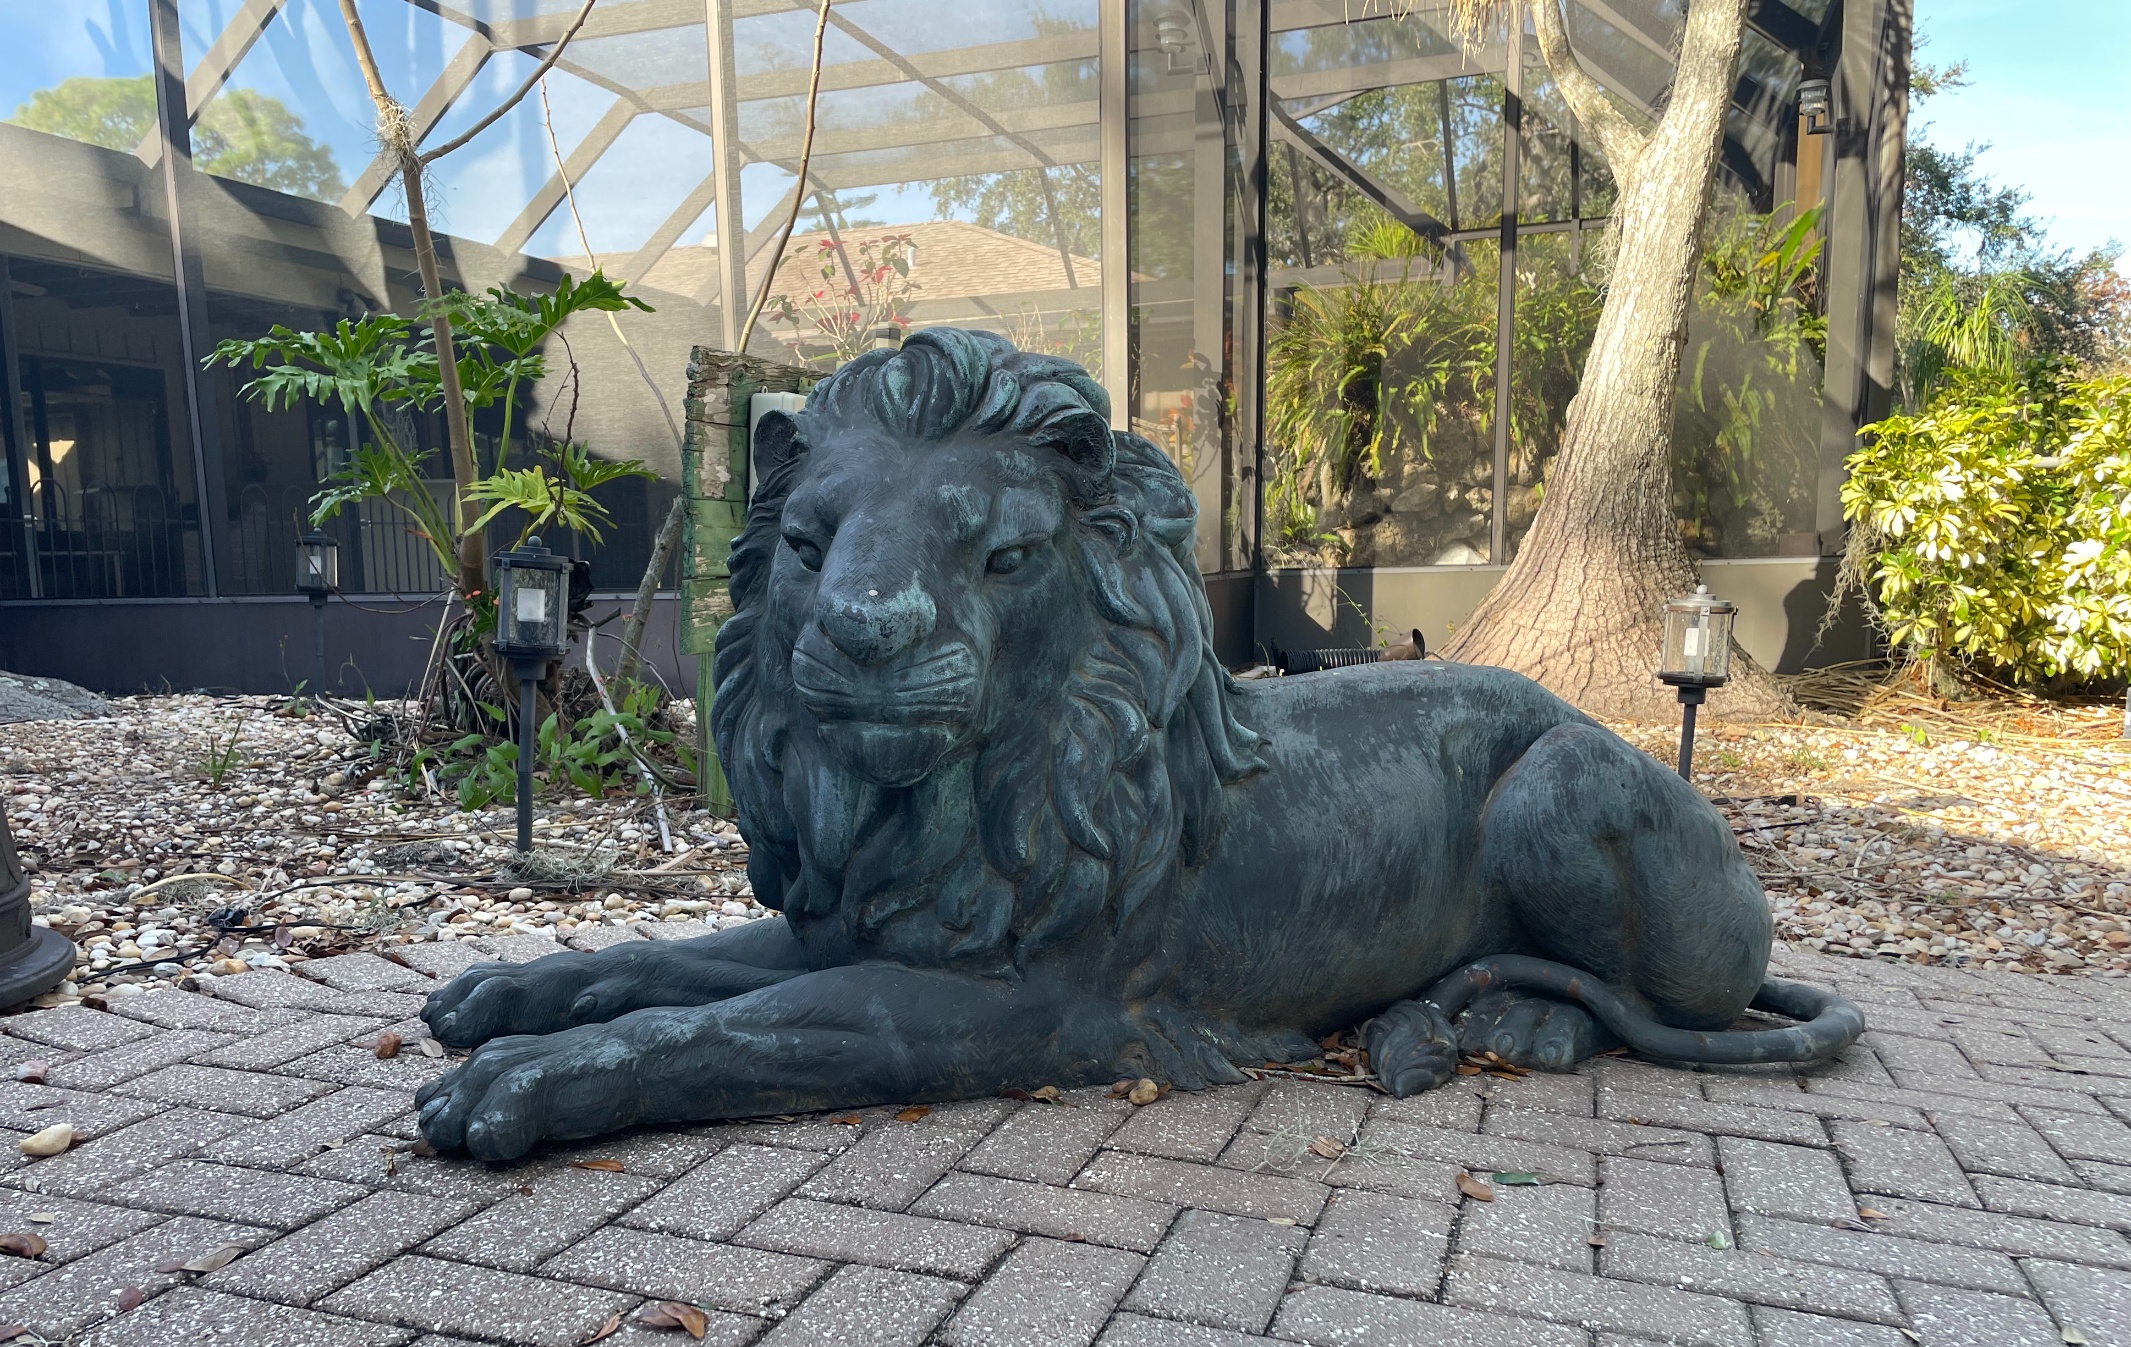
1074	1237
1595	1241
605	1330
1871	1215
1466	1069
421	1148
1120	1089
32	1072
1280	1220
1016	1093
670	1314
130	1299
213	1260
913	1113
10	1332
23	1245
848	1120
2071	1334
1327	1148
1143	1092
52	1140
432	1048
1048	1094
41	1218
1473	1188
388	1045
604	1166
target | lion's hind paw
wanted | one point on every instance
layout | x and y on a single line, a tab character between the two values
1411	1048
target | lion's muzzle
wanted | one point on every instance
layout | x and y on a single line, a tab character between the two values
890	725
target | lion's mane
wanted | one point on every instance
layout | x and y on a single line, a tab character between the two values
1071	818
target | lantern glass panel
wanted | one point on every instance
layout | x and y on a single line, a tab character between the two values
1697	640
529	603
317	564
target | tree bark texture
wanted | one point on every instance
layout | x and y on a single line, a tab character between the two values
1581	608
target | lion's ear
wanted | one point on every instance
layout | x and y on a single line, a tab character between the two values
776	444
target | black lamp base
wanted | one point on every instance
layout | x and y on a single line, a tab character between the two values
33	959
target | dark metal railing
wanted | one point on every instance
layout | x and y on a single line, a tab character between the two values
110	543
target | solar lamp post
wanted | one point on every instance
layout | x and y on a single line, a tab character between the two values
531	586
1697	657
317	575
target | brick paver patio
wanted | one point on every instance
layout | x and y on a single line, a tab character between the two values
1963	1176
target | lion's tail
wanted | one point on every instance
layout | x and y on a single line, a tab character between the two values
1827	1022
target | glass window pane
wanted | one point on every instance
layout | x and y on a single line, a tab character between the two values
1379	414
1558	301
93	402
1549	185
954	177
1746	438
1186	191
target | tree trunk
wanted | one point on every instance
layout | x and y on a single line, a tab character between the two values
394	131
1581	608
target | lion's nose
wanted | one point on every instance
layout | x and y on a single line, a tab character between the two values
873	625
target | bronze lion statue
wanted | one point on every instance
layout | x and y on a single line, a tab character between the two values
1024	829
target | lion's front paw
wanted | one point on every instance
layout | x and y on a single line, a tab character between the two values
1411	1048
490	1000
514	1091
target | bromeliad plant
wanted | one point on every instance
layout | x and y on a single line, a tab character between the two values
381	363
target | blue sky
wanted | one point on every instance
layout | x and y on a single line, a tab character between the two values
2050	92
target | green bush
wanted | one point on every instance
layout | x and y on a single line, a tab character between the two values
1994	527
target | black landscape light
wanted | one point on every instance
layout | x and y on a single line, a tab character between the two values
1817	106
318	575
1697	658
33	959
530	592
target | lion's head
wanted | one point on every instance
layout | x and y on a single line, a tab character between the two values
970	663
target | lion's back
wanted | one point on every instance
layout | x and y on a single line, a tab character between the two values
1355	851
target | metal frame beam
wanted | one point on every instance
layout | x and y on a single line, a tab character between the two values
725	157
203	417
1392	202
453	81
575	165
1114	111
216	65
668	233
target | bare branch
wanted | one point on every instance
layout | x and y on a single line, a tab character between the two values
1593	106
554	55
799	186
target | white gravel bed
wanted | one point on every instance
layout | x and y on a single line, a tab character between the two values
1870	843
308	849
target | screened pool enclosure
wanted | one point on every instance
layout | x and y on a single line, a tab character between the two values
1341	268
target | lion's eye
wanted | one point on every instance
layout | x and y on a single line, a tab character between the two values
808	552
1006	560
